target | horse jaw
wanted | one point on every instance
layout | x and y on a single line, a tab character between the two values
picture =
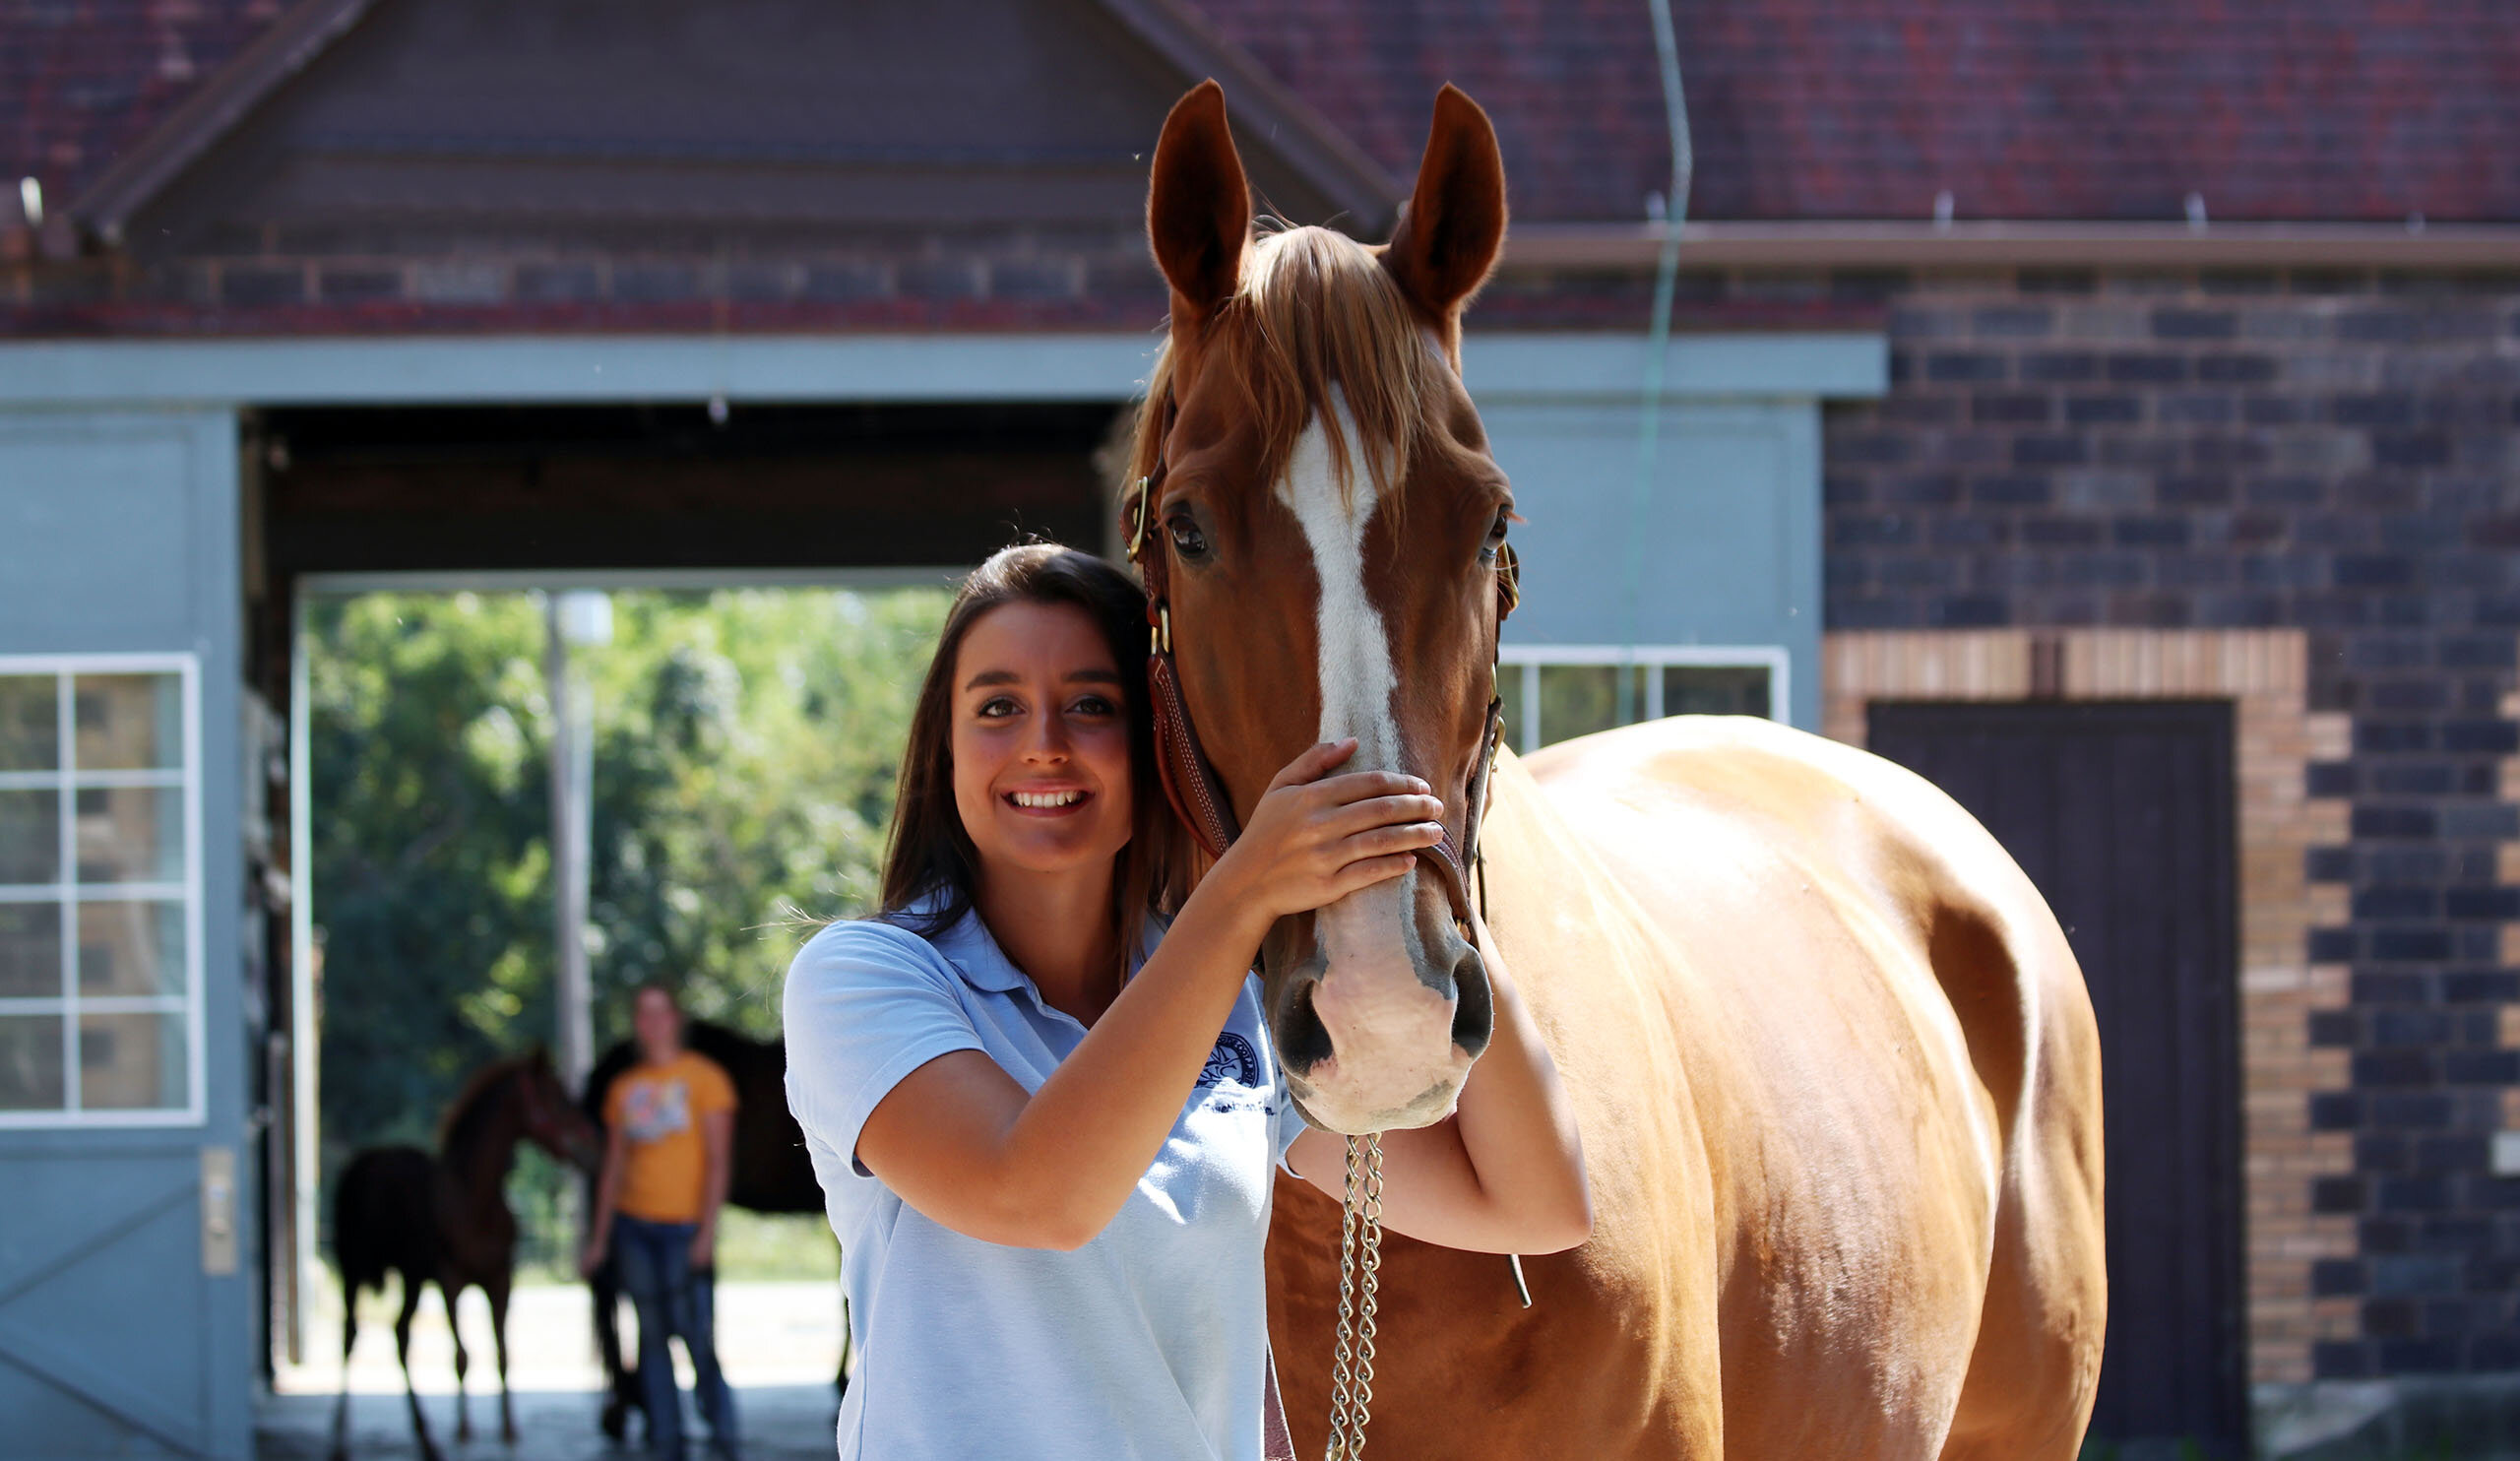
1385	1000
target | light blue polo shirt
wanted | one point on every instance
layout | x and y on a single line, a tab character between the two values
1150	1341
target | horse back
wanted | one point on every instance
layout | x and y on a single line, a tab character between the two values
1896	1074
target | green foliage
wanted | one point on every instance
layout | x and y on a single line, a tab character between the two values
746	743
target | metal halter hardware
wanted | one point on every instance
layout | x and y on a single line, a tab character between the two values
1199	799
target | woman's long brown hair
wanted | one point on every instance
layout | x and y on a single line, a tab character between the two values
930	853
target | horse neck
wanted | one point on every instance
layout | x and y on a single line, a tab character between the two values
480	1146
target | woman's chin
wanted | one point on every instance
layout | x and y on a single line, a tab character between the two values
1051	848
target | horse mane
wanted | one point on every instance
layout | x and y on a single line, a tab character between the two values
461	1126
1315	313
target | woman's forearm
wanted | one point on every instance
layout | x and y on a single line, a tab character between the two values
1504	1173
1518	1131
960	1140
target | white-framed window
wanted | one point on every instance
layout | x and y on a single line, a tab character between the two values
1559	692
100	916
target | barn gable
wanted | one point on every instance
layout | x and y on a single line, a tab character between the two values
391	127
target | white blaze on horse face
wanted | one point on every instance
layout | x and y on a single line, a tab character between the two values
1391	1033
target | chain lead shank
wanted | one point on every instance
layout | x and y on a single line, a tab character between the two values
1351	1366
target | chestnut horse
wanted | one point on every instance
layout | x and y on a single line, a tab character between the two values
1837	1074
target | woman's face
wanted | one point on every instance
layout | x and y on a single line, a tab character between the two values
1041	741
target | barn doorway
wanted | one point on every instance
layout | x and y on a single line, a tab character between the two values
712	528
2122	815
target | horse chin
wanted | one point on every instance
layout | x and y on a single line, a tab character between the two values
1333	1107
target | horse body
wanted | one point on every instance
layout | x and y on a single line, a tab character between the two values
1834	1068
1838	1081
443	1219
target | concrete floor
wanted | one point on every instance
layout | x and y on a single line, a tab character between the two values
779	1343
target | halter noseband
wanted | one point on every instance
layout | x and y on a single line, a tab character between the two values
1191	783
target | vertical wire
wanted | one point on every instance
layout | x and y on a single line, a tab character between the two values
1648	429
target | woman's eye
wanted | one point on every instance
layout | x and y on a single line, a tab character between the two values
997	708
1187	540
1094	705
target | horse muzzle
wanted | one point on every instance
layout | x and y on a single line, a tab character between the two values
1384	1007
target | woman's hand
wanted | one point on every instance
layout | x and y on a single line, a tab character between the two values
1316	838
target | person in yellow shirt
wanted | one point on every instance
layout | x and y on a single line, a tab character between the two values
670	1142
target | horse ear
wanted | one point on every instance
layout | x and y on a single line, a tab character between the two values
1198	207
1455	225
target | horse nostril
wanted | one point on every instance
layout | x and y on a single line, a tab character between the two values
1303	1041
1473	1009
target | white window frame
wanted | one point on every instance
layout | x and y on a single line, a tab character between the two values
1526	660
66	777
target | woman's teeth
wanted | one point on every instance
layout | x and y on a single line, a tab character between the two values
1047	799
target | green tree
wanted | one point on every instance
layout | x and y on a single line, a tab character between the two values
745	750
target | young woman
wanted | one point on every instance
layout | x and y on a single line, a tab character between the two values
1050	1200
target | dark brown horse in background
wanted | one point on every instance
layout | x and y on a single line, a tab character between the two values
772	1175
443	1219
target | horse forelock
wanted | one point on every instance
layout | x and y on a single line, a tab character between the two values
1317	333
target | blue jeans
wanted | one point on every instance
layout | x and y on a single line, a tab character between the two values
673	1299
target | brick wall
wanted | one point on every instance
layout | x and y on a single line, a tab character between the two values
2334	452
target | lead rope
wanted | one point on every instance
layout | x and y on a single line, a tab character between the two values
1352	1366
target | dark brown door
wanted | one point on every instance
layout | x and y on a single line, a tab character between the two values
2121	813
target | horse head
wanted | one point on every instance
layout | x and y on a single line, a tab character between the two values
1324	511
549	1119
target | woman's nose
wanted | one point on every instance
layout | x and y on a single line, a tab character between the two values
1049	739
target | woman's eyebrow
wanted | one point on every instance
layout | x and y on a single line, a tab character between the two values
1093	674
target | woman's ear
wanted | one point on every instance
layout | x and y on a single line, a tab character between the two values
1198	207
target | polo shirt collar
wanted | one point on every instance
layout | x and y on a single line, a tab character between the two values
972	950
968	946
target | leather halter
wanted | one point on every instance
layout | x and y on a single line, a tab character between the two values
1190	782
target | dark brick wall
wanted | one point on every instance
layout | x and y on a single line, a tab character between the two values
2333	451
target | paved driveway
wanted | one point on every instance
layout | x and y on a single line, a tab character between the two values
780	1344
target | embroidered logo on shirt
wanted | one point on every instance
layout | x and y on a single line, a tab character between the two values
654	1110
1232	1059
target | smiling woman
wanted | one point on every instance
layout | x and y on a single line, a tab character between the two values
1038	1091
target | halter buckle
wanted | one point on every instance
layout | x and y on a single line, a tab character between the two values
1137	525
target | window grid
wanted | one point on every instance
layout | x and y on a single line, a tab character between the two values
1526	660
69	894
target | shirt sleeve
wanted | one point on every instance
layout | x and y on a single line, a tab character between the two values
866	1004
711	1090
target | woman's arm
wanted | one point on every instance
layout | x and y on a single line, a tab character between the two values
1504	1173
959	1139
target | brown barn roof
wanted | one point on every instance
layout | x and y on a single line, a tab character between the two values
1801	109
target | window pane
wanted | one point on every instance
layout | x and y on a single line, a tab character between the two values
29	836
30	1063
130	1062
131	948
29	723
1580	699
1509	688
131	835
130	721
1715	690
31	951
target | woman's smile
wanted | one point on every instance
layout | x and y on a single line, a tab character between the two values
1051	801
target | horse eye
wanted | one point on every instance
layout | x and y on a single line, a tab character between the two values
1495	540
1187	540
